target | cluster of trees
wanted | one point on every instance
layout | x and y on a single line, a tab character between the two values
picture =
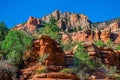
13	44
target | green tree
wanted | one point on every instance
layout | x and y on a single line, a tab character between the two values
51	29
3	30
16	42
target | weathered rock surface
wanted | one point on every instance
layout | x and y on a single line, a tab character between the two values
108	55
80	28
46	45
30	26
54	75
69	21
92	49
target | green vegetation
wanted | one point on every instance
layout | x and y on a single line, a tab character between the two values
42	70
15	43
82	59
100	43
43	58
51	30
110	43
69	70
3	31
111	72
69	45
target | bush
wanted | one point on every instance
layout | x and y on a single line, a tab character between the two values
43	58
82	59
69	70
82	75
42	70
111	71
100	43
110	43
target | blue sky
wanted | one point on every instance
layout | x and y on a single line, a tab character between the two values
13	12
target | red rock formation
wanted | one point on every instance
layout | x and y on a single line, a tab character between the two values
92	49
54	76
49	46
46	45
65	38
29	26
110	56
85	35
105	34
69	21
114	26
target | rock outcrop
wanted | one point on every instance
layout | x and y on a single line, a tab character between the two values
54	76
69	21
29	26
77	26
108	55
46	45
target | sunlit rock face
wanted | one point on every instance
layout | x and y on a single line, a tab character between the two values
69	21
29	26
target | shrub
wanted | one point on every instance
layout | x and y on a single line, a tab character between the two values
43	58
82	59
100	43
110	43
82	75
69	70
111	71
42	70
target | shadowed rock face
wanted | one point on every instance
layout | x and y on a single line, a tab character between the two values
4	75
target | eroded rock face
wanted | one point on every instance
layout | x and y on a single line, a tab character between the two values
46	45
69	21
41	46
49	46
108	55
92	49
115	26
54	76
29	26
105	34
84	35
